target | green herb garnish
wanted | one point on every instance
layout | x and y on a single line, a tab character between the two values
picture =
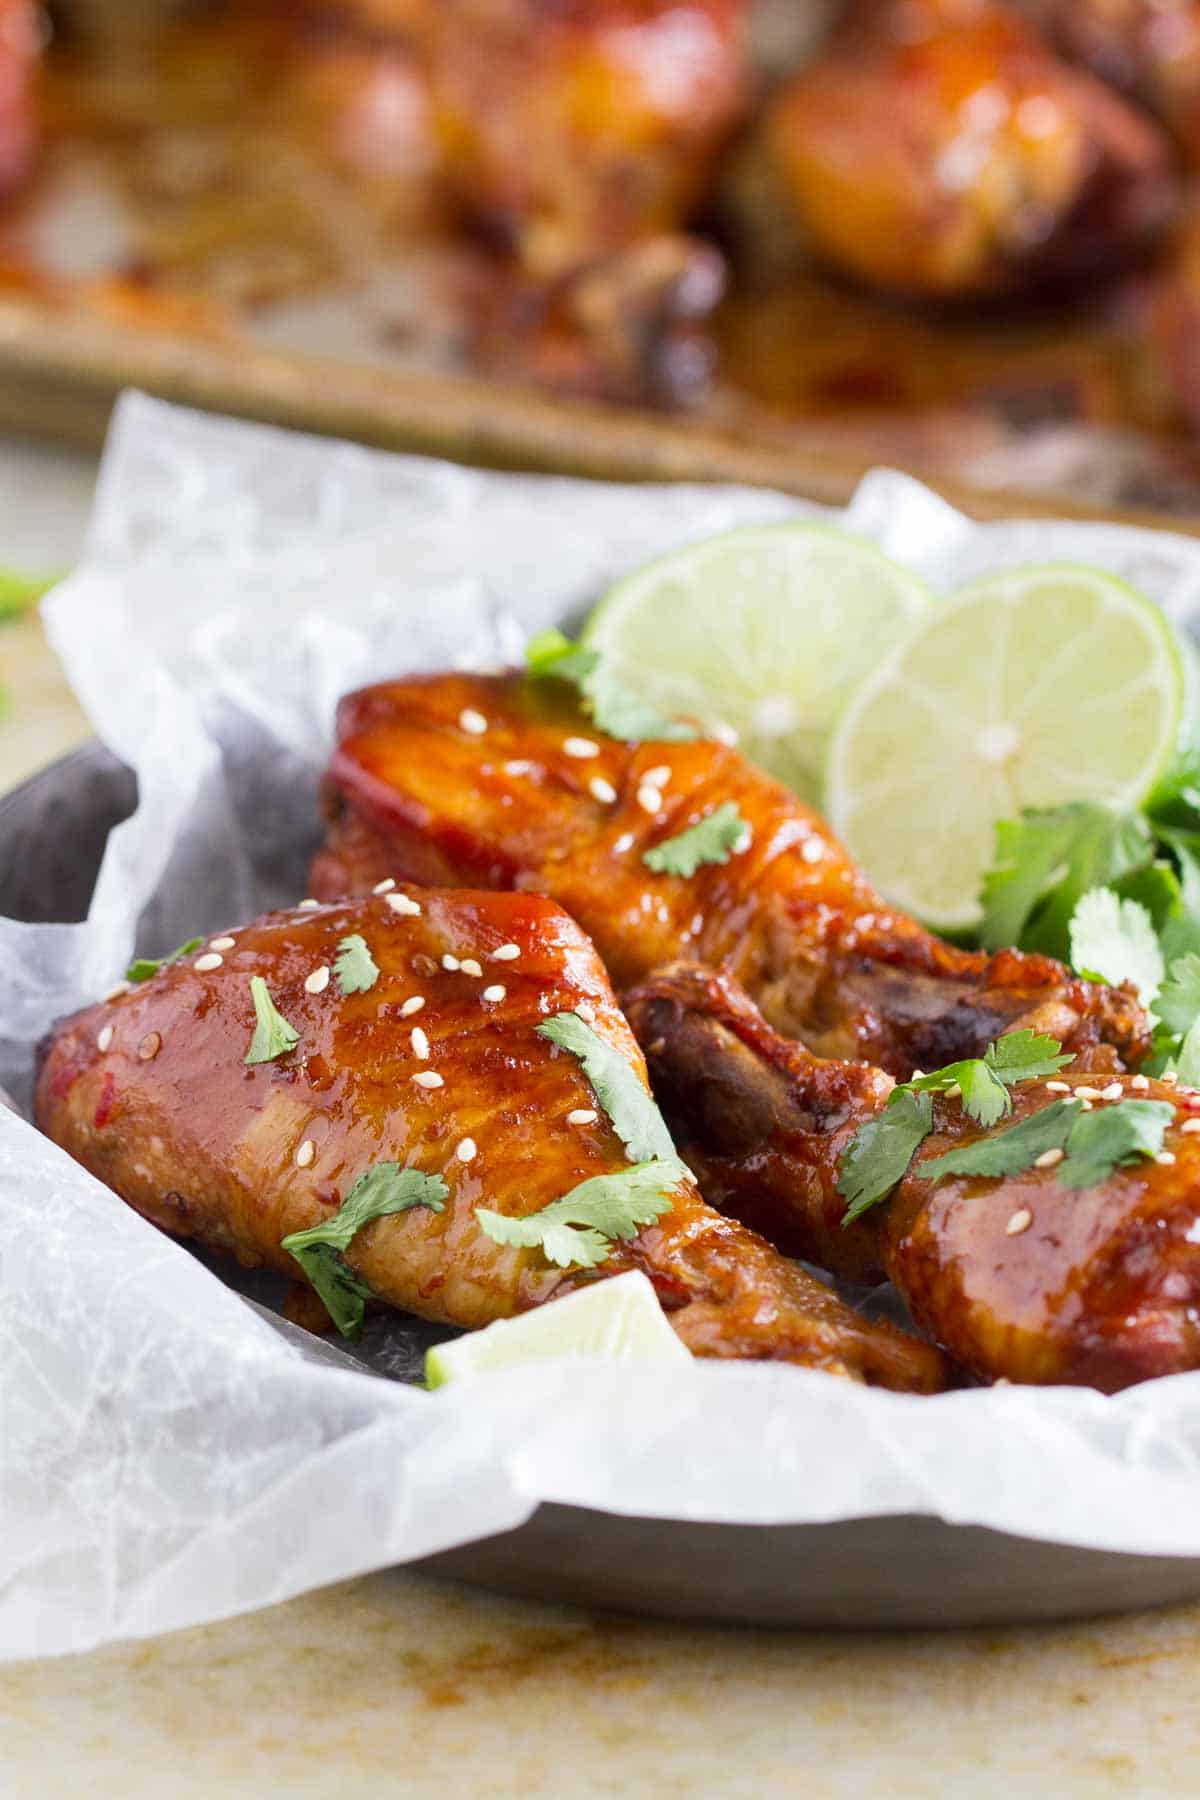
985	1080
607	701
273	1036
1094	1143
355	967
384	1189
878	1155
1046	861
143	967
712	840
635	1118
1114	940
18	592
582	1228
1011	1151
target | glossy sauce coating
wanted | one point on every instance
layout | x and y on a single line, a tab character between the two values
412	791
1099	1286
151	1092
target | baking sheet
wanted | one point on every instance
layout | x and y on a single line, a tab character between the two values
166	1457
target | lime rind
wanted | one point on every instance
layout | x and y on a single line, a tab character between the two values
619	1319
1041	684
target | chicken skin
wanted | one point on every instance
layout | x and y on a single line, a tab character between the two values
1020	1277
437	1066
20	44
938	148
540	801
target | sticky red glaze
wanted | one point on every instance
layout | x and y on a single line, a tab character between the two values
207	1145
1102	1288
411	792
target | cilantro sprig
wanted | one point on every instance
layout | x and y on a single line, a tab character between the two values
143	967
635	1118
1094	1144
354	967
711	840
384	1189
612	708
273	1036
985	1080
582	1227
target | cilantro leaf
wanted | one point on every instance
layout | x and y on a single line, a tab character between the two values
635	1118
273	1036
1046	860
1178	1001
582	1227
985	1081
354	966
711	840
1114	940
384	1189
143	967
610	705
878	1155
1187	1062
1011	1151
1108	1138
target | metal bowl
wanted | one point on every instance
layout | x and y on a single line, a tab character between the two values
858	1573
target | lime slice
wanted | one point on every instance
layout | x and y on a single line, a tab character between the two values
620	1318
1030	688
766	629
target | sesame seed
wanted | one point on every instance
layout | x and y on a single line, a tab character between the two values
506	953
812	850
1166	1158
917	1075
472	722
1049	1159
581	748
469	966
725	733
1135	1081
385	886
1020	1221
1084	1105
623	843
1170	1077
450	963
412	1006
954	1091
649	799
658	776
743	842
583	1115
495	993
1087	1093
428	1079
114	993
305	1153
1058	1087
466	1151
1113	1091
517	768
204	965
602	790
420	1044
308	905
221	943
1190	1126
318	981
586	1011
149	1047
400	903
104	1038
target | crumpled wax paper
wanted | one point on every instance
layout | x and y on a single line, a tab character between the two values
166	1455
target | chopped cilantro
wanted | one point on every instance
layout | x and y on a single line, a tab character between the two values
355	967
273	1036
384	1189
713	840
1114	940
581	1229
877	1157
143	967
612	708
635	1118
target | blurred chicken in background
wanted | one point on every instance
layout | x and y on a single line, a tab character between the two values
20	43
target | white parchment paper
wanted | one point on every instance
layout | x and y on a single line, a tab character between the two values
166	1457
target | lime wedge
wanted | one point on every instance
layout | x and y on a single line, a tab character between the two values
1031	688
766	629
620	1318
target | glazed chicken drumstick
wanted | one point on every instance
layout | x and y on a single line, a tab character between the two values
1021	1277
178	1096
503	782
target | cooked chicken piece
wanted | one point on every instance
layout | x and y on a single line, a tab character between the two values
152	1092
502	781
1020	1277
20	42
939	148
